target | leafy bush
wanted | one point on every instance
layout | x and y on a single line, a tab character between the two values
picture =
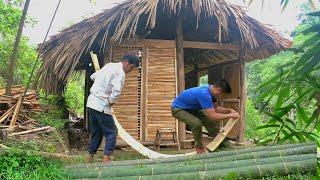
253	120
26	165
74	93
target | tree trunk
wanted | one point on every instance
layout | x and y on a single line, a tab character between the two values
14	54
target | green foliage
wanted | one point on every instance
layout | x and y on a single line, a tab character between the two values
203	80
74	93
9	23
52	119
262	70
254	119
17	165
295	92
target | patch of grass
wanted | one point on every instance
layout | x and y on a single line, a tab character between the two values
52	119
26	165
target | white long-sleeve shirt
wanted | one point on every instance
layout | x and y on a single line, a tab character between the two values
107	86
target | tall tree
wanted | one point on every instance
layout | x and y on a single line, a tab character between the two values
16	48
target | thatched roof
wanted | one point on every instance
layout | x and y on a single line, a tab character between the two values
204	20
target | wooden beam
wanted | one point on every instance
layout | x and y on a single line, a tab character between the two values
180	74
243	95
220	64
209	45
192	44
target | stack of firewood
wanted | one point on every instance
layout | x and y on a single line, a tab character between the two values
15	114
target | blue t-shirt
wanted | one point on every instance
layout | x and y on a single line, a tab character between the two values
196	98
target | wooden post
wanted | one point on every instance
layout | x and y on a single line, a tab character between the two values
87	87
15	50
143	123
243	95
196	71
180	74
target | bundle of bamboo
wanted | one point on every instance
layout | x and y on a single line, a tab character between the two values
254	162
15	113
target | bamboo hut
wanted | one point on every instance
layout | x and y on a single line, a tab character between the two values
179	41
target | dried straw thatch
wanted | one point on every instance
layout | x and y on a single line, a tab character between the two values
204	20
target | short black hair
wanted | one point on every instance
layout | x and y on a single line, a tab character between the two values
224	85
131	58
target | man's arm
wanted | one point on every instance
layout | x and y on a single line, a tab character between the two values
214	115
224	110
117	83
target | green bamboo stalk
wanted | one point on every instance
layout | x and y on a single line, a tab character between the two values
119	171
183	158
250	155
254	171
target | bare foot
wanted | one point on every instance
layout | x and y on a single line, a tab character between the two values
90	158
200	150
106	159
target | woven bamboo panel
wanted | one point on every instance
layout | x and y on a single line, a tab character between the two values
127	108
161	90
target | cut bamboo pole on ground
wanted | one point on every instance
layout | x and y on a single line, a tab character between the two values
309	147
146	171
247	156
255	171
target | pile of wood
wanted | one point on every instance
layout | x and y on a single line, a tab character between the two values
15	114
256	162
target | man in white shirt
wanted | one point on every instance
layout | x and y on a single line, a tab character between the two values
106	89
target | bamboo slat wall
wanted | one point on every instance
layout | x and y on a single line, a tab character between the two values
161	90
127	108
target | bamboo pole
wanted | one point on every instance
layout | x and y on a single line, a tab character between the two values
222	155
254	171
145	171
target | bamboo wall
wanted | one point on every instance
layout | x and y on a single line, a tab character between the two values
160	90
127	108
145	102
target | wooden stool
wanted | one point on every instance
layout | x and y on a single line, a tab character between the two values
160	140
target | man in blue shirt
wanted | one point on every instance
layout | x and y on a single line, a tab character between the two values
195	107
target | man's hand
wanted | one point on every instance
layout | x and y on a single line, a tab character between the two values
234	115
232	111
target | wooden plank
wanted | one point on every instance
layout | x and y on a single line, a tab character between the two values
7	114
16	111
